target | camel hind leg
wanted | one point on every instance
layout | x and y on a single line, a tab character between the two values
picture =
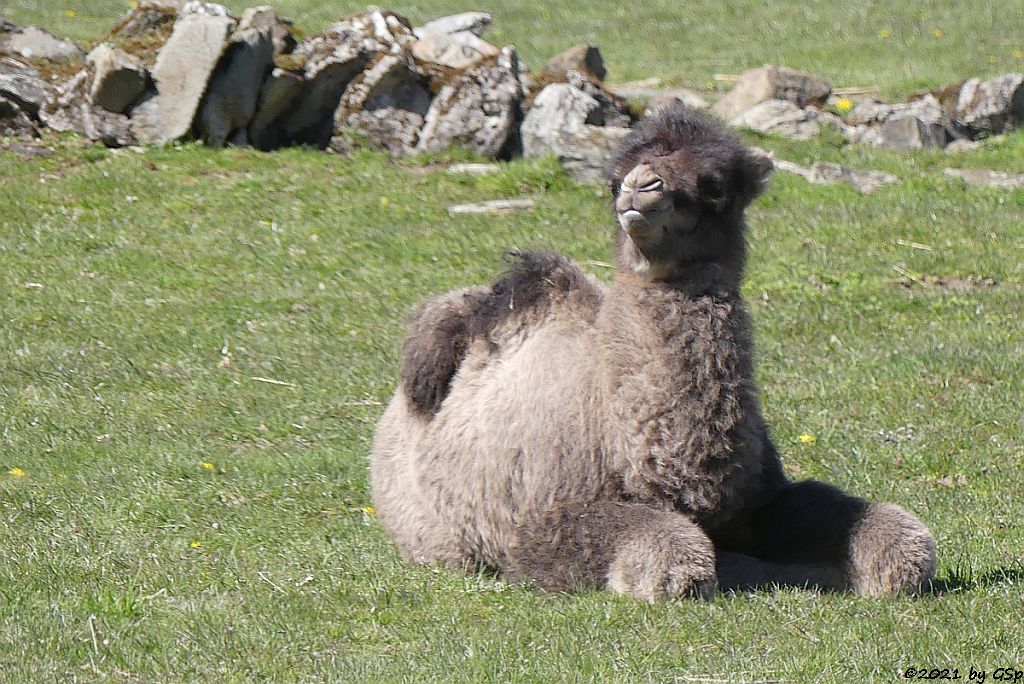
815	534
633	549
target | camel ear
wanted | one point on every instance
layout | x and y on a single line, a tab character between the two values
755	170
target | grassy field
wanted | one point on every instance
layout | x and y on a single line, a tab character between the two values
195	346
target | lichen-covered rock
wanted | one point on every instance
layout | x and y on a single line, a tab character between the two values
561	122
148	18
478	109
612	110
330	62
780	117
772	83
473	22
582	58
29	42
231	96
118	78
989	106
266	18
388	103
71	110
21	84
453	50
183	69
909	132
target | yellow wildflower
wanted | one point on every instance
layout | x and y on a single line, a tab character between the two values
70	14
884	33
369	510
807	439
17	472
206	466
196	545
384	201
844	105
937	32
1018	53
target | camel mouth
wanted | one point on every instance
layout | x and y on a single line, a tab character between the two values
634	222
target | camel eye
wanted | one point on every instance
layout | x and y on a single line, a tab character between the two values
651	186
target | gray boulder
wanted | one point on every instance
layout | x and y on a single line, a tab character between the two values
118	78
21	84
657	95
612	110
908	132
780	117
453	50
772	83
387	103
582	58
29	42
331	61
266	18
183	68
561	122
231	97
478	110
473	22
990	106
71	110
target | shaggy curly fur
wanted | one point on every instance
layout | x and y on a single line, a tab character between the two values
584	436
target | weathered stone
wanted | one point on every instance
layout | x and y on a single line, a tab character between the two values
183	69
453	50
825	173
70	110
230	101
560	123
583	58
21	84
473	22
14	123
863	180
780	117
612	109
149	17
986	107
118	78
908	132
502	206
474	169
266	18
29	42
478	110
333	60
987	178
280	93
772	83
559	107
387	102
652	90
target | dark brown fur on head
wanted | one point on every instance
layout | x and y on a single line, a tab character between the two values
708	174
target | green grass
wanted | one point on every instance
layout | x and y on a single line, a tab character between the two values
148	297
690	42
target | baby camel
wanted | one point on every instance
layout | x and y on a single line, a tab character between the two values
584	436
